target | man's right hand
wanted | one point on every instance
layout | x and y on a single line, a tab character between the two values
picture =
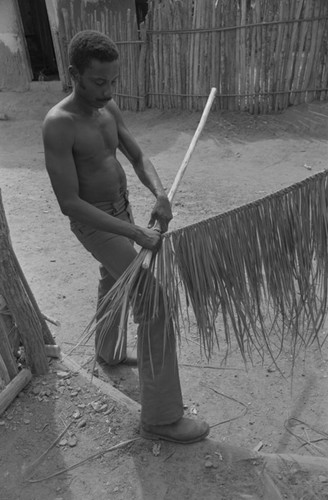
151	239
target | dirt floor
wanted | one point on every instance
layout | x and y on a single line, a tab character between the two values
239	158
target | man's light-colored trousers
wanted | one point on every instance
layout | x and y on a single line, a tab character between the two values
160	391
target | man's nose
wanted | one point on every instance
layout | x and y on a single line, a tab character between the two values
108	93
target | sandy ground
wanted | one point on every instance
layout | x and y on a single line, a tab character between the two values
239	158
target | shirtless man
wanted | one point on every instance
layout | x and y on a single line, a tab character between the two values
81	135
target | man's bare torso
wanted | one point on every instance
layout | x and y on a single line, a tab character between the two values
101	176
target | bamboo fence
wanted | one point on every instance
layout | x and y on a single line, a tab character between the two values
261	55
121	26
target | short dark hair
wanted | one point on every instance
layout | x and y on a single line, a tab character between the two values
89	44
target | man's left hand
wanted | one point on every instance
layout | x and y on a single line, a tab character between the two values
161	213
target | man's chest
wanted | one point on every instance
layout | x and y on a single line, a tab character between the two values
95	137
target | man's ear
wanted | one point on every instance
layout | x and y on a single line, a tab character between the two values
73	72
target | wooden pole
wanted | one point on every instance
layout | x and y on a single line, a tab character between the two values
4	375
19	303
186	159
47	336
9	393
9	325
6	350
301	57
142	75
313	51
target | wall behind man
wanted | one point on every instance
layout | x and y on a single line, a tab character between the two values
15	72
67	17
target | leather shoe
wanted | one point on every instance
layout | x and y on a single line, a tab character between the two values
184	431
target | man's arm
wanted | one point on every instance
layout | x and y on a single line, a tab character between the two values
144	169
58	139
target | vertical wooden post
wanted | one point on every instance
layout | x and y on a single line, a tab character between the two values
142	68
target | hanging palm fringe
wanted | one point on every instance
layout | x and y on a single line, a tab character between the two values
263	267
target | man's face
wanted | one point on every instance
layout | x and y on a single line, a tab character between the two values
97	83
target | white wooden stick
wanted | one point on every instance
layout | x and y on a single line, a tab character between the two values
185	161
9	393
51	320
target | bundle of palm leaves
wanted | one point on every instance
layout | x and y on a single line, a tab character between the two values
262	267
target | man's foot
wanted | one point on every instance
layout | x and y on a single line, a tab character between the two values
184	431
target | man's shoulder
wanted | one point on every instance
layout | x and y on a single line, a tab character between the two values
112	107
115	111
59	111
59	119
58	125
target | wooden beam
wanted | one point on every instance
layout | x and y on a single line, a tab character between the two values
14	387
105	387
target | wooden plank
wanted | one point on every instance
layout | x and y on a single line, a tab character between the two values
11	391
105	387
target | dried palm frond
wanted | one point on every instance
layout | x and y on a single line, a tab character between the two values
263	267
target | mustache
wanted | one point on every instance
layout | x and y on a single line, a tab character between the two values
105	100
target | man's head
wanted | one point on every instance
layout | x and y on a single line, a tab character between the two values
94	67
90	45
